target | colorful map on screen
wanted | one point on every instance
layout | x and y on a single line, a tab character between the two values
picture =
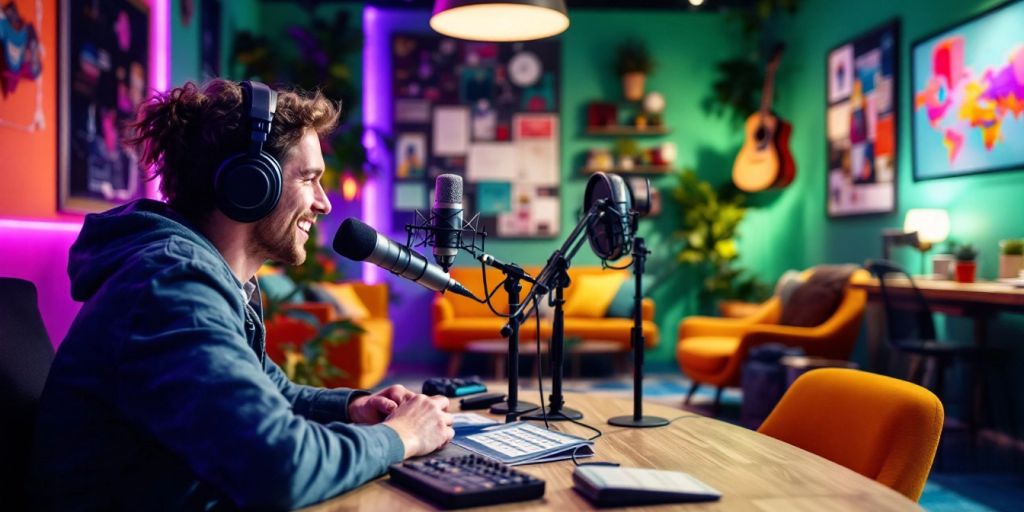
969	97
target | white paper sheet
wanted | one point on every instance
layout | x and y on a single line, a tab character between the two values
451	131
491	161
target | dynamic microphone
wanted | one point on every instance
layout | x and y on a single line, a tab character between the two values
357	241
446	218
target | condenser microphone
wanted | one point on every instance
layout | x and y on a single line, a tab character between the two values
446	218
357	241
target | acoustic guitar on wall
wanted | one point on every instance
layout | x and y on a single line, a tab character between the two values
764	161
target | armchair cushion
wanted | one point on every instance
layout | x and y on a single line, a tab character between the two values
708	353
622	303
814	302
593	295
343	298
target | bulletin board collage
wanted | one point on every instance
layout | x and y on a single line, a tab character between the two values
487	112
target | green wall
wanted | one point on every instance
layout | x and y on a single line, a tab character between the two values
792	229
235	15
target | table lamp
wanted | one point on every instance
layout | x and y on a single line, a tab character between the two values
931	225
922	228
499	20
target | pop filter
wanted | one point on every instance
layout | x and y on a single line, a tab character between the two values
611	235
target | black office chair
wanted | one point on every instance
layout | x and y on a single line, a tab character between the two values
25	357
911	329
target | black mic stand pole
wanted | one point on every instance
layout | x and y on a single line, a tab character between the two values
513	275
558	278
638	420
556	409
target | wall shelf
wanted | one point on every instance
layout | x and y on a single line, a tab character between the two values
627	131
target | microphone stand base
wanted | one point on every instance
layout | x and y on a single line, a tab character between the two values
642	422
521	407
562	414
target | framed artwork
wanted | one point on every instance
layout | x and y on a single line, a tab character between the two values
21	66
487	112
968	83
104	53
861	123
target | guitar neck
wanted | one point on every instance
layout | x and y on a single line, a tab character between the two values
768	90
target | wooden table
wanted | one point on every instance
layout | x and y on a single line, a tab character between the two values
498	351
980	301
752	471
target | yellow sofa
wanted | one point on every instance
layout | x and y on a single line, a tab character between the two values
364	359
712	350
458	321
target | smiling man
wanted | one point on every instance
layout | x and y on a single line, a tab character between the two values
161	396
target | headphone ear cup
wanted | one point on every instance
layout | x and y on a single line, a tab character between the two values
247	187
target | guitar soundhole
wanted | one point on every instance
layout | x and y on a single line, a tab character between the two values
762	136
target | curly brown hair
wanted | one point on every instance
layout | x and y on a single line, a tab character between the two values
185	134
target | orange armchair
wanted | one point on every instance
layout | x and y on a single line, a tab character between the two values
883	428
712	350
363	359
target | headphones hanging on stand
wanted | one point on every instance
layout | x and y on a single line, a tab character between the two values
247	186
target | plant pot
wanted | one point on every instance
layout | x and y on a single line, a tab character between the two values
1010	265
633	86
965	271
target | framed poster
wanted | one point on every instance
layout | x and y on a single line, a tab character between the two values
103	78
968	86
21	66
487	112
861	123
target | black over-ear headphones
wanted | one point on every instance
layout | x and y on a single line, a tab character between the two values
248	185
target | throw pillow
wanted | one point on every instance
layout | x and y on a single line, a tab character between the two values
787	284
622	303
278	286
344	299
592	294
815	301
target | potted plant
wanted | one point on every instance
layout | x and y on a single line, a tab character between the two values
1011	258
965	263
633	63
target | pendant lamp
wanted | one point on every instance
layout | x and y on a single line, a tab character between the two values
499	20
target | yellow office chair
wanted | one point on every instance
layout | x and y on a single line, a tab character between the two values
883	428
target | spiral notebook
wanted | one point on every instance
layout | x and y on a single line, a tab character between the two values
522	443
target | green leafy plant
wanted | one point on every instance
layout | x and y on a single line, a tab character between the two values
966	252
736	89
1014	247
708	235
632	56
322	47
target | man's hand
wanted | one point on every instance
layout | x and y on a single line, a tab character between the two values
423	423
372	409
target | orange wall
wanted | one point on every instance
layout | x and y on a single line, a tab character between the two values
28	160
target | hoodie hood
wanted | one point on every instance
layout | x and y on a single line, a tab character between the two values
109	239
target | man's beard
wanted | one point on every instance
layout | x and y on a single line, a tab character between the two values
278	239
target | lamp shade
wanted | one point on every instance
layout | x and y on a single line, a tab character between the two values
499	20
931	224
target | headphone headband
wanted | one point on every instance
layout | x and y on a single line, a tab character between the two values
262	104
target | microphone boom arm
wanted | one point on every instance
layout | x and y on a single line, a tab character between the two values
568	250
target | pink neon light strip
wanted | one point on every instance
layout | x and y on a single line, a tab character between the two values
40	225
159	60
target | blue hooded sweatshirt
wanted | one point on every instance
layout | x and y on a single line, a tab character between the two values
161	396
